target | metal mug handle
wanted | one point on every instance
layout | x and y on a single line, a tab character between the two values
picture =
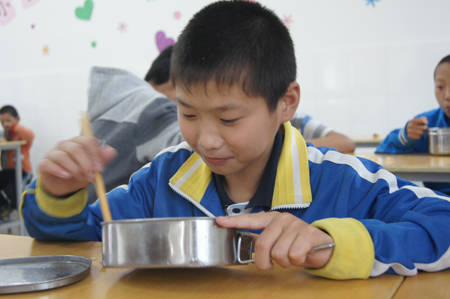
248	249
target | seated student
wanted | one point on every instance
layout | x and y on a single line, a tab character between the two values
321	135
234	69
13	131
413	138
137	119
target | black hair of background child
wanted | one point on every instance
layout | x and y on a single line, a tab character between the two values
443	60
9	109
236	42
159	72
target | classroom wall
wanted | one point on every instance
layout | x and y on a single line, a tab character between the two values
364	66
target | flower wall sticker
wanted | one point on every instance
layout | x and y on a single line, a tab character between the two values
369	2
287	20
7	12
122	27
45	50
85	12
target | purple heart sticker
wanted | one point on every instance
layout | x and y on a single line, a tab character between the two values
162	42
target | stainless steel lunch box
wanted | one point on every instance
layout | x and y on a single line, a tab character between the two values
439	141
173	242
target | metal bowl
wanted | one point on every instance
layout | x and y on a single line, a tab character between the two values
439	141
173	242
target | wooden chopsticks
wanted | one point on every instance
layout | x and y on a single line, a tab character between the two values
99	183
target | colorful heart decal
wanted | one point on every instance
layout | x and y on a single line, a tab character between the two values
162	42
85	12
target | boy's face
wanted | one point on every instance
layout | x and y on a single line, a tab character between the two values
442	87
232	133
8	120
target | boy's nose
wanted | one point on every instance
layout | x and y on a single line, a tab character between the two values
209	137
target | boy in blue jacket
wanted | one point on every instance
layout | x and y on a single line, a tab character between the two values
234	70
413	138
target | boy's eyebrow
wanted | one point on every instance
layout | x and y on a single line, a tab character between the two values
178	100
228	106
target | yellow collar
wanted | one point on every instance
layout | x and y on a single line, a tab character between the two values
292	187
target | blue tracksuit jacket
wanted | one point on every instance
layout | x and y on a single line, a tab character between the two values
380	223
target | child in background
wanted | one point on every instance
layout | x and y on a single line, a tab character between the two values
320	135
234	70
413	137
13	131
137	117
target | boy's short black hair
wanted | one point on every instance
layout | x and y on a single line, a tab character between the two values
9	109
236	42
159	72
443	60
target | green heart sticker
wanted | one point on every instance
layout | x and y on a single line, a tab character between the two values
85	12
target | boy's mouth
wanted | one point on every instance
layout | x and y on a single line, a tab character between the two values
216	161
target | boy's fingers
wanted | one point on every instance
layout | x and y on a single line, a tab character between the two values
69	153
424	120
49	167
419	122
248	221
282	247
59	160
93	154
107	153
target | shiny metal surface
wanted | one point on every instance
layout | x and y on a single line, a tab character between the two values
439	141
29	274
173	242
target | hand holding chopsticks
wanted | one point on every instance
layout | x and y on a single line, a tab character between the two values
99	183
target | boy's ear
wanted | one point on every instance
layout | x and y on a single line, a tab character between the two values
290	101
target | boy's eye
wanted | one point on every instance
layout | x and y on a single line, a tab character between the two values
439	87
229	121
188	116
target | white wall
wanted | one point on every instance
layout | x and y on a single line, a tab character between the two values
362	69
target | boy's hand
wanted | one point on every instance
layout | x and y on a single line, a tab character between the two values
285	239
416	127
71	165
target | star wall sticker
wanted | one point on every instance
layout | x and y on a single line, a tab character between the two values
372	2
287	20
122	27
45	50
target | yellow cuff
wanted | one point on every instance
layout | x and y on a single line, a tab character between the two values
60	208
353	256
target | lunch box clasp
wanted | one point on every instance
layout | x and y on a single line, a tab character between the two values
244	248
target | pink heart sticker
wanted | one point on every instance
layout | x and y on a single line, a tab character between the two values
162	42
28	3
7	12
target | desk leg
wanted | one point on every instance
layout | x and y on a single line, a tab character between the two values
19	183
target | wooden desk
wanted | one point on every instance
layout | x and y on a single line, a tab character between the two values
420	167
367	141
425	285
217	282
15	145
